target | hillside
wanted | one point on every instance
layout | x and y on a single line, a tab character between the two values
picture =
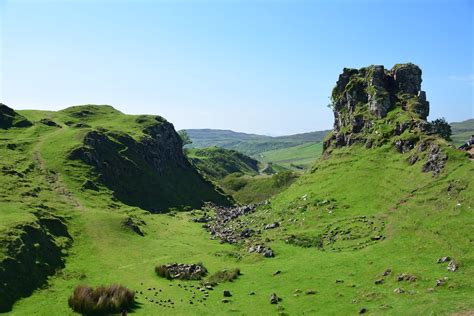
298	158
381	225
217	163
244	178
462	131
249	144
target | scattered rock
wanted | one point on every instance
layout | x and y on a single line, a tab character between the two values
225	300
274	299
265	251
276	272
252	293
227	293
387	272
452	266
181	271
440	282
379	281
435	161
444	259
339	281
272	225
406	277
310	292
399	290
363	310
224	226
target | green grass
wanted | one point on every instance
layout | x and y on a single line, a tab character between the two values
296	158
418	217
462	131
217	163
249	144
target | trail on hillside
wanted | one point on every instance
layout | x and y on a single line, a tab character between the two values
52	178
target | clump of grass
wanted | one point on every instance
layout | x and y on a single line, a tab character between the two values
101	300
223	276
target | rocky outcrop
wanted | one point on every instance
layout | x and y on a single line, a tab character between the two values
374	106
9	118
33	251
363	98
150	172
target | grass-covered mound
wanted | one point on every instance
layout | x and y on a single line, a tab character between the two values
245	189
101	300
223	276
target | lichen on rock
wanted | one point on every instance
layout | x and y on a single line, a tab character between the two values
363	100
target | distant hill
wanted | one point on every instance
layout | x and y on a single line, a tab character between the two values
299	157
249	144
217	163
462	131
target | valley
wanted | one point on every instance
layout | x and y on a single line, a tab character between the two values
356	220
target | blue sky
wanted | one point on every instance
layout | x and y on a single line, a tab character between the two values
254	66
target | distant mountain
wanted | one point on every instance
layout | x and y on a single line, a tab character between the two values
462	131
249	144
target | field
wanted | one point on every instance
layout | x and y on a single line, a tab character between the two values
296	158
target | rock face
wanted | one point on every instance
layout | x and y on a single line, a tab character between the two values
364	96
374	106
9	118
150	172
34	251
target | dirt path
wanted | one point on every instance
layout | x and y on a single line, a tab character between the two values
52	178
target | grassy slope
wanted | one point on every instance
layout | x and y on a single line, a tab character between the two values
419	228
218	163
236	173
295	158
462	131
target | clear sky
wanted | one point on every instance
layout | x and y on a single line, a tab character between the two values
254	66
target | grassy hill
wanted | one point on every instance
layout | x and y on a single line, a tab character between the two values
249	144
217	163
362	232
462	131
244	178
300	157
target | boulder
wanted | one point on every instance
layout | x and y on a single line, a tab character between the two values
274	299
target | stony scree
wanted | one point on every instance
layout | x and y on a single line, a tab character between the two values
224	226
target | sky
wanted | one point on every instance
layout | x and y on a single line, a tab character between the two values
265	67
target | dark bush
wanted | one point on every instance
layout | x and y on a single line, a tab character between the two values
101	300
442	128
223	276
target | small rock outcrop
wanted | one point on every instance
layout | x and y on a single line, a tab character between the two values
181	271
9	118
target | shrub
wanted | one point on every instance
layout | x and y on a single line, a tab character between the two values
101	300
223	276
442	128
